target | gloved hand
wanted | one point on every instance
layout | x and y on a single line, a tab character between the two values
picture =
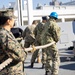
33	48
19	39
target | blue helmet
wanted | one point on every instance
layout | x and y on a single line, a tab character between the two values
54	14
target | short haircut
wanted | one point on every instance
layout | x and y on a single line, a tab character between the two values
3	19
44	18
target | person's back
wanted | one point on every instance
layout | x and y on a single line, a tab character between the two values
51	34
28	35
38	31
48	32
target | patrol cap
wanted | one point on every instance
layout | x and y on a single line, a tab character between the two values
44	18
8	13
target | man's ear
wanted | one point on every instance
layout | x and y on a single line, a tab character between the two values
8	21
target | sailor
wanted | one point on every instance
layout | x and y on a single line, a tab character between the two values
51	34
37	32
28	34
9	46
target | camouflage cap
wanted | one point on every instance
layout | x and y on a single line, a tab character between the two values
8	13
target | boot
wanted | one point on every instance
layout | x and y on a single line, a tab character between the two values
32	65
48	73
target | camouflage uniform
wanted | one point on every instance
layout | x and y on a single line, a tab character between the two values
38	31
50	34
10	48
29	36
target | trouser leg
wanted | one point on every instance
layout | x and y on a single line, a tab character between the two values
52	62
38	58
43	58
34	56
55	64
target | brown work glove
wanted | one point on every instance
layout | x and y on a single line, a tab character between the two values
33	48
